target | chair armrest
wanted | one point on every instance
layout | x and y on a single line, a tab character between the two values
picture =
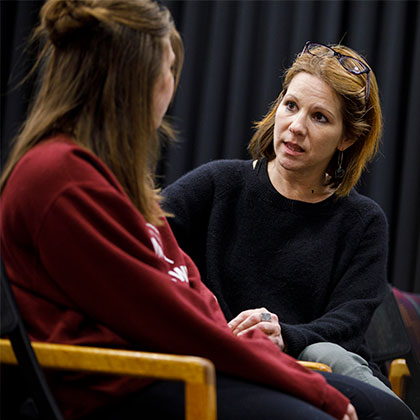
315	366
197	373
397	373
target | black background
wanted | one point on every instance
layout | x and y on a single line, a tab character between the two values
235	54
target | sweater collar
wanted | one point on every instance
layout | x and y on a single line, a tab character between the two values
266	192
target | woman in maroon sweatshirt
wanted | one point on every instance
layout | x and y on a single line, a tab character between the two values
89	253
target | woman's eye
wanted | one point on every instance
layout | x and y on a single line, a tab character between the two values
290	105
318	116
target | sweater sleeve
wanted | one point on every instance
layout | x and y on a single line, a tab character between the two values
359	289
357	283
190	201
97	247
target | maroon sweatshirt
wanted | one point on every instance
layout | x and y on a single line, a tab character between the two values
87	269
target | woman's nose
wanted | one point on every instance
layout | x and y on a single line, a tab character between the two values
298	125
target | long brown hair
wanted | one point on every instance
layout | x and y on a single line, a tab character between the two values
98	65
362	121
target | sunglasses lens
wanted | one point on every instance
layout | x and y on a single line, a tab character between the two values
352	65
320	50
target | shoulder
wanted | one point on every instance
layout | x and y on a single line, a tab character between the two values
59	162
50	170
63	158
364	205
223	167
213	176
364	211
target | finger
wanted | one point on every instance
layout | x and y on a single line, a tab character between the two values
254	320
274	317
351	411
233	323
250	321
249	318
280	343
272	332
267	328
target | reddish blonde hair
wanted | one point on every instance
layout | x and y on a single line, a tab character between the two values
362	121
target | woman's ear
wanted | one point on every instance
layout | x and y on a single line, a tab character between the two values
345	144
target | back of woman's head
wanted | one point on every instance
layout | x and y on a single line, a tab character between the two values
99	63
360	110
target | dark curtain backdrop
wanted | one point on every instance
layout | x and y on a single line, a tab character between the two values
235	54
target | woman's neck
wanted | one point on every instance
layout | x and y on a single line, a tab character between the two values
294	186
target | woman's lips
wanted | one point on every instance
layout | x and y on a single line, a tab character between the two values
293	148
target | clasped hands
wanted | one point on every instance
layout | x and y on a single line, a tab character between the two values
254	318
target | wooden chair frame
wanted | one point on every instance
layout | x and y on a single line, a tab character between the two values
197	373
398	374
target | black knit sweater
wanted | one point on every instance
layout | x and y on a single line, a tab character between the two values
320	267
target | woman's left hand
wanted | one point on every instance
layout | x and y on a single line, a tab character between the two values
260	318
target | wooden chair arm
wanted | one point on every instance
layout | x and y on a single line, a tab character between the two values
398	372
315	366
197	373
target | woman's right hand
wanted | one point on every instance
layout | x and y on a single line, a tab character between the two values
252	318
351	413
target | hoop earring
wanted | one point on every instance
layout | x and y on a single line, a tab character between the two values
339	172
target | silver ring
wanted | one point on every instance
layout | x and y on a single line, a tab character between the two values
266	316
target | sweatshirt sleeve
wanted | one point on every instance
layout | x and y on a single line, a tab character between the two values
357	292
97	248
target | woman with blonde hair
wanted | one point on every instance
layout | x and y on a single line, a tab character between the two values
90	255
285	241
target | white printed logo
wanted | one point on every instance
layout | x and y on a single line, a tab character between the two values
178	273
157	243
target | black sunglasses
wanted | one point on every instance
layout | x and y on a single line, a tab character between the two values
351	64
